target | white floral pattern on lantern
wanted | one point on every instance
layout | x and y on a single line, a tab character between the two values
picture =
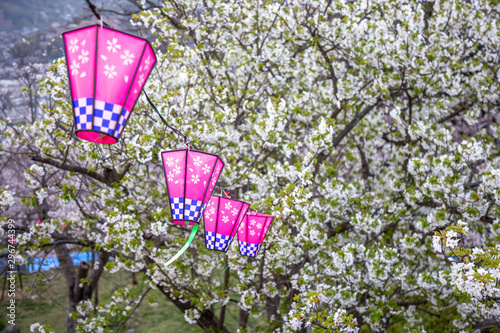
72	45
252	232
109	71
195	179
74	67
252	222
206	169
147	62
197	161
225	219
170	177
113	45
228	206
141	80
234	212
177	170
259	225
84	57
216	174
127	57
170	161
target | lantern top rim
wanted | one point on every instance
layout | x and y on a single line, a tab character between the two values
195	150
109	28
218	196
260	214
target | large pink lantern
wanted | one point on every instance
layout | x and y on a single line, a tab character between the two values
107	70
191	177
252	231
222	218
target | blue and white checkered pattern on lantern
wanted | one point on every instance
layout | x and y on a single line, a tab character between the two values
217	241
177	205
203	206
192	209
221	241
83	112
106	116
210	239
249	249
121	122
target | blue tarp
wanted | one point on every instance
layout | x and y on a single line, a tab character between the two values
52	262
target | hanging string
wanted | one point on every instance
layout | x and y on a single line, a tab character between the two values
93	9
223	191
221	274
184	136
187	142
176	131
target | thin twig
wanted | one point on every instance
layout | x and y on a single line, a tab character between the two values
134	309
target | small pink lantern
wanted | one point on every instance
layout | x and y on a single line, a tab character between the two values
107	70
222	218
191	177
252	231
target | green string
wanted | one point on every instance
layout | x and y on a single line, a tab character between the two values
176	131
222	273
185	247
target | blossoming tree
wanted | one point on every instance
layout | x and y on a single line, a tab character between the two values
369	129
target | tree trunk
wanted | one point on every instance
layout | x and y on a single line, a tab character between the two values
82	271
66	264
222	316
95	275
242	320
272	305
72	278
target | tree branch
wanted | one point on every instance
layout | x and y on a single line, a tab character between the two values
95	275
66	264
485	324
353	123
110	176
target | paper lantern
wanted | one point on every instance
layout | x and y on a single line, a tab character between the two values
222	218
191	177
252	231
107	70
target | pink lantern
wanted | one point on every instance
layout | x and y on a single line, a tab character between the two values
222	218
191	177
107	70
252	231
